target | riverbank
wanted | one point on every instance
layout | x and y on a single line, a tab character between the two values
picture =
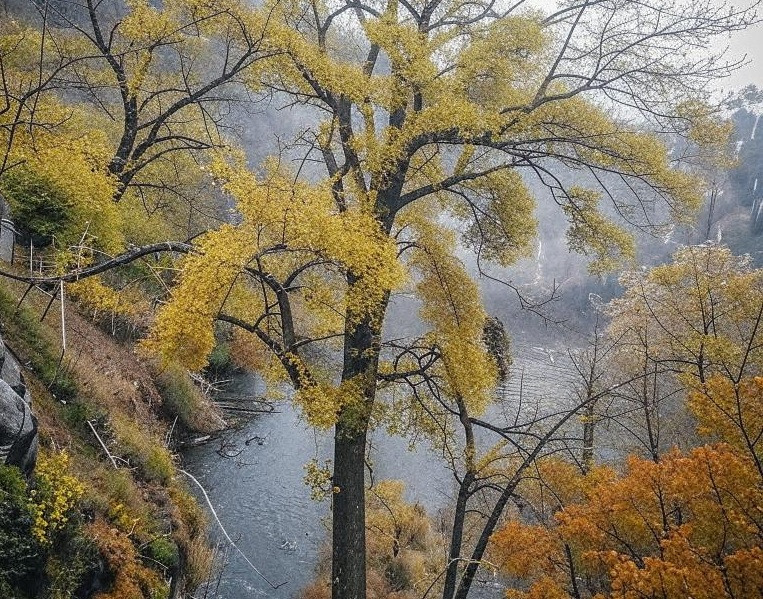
124	525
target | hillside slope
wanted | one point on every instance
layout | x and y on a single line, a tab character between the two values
106	513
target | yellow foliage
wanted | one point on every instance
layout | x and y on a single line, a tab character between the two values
711	133
556	483
321	403
98	297
505	228
184	326
146	23
592	233
681	302
731	411
285	225
54	496
526	551
398	536
701	315
452	306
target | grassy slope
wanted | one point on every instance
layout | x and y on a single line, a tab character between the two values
140	517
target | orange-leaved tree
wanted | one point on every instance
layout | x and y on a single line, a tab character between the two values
677	524
686	526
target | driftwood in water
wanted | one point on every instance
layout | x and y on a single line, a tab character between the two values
244	408
244	404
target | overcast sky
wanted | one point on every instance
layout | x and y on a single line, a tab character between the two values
749	42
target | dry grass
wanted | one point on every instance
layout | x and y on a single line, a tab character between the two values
105	383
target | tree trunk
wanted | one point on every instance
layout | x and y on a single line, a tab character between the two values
456	539
589	425
348	569
464	492
470	571
361	363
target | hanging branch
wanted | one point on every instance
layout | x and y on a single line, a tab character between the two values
120	260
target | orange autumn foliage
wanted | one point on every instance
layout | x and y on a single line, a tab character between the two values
131	578
687	526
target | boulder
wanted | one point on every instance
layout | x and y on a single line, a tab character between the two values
10	372
18	427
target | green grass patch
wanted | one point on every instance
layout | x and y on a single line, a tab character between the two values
22	329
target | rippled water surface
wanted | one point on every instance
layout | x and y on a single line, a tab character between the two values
260	497
258	492
263	504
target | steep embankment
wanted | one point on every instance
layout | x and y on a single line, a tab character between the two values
105	513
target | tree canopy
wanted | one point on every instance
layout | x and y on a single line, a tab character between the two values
673	524
425	114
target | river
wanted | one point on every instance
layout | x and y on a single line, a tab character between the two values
259	495
253	477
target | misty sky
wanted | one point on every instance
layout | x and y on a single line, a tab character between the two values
749	42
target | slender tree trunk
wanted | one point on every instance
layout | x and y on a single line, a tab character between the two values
470	571
464	492
456	537
589	426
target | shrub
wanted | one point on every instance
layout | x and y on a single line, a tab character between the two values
191	513
121	500
182	398
19	548
40	210
77	413
220	360
130	578
199	562
23	326
74	565
164	551
190	525
54	496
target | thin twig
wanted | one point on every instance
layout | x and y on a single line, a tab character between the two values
227	536
108	453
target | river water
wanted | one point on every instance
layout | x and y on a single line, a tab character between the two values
262	502
254	479
259	495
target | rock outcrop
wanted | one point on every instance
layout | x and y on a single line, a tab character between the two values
18	426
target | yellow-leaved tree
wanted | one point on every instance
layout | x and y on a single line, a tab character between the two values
429	113
52	163
109	111
121	102
699	319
